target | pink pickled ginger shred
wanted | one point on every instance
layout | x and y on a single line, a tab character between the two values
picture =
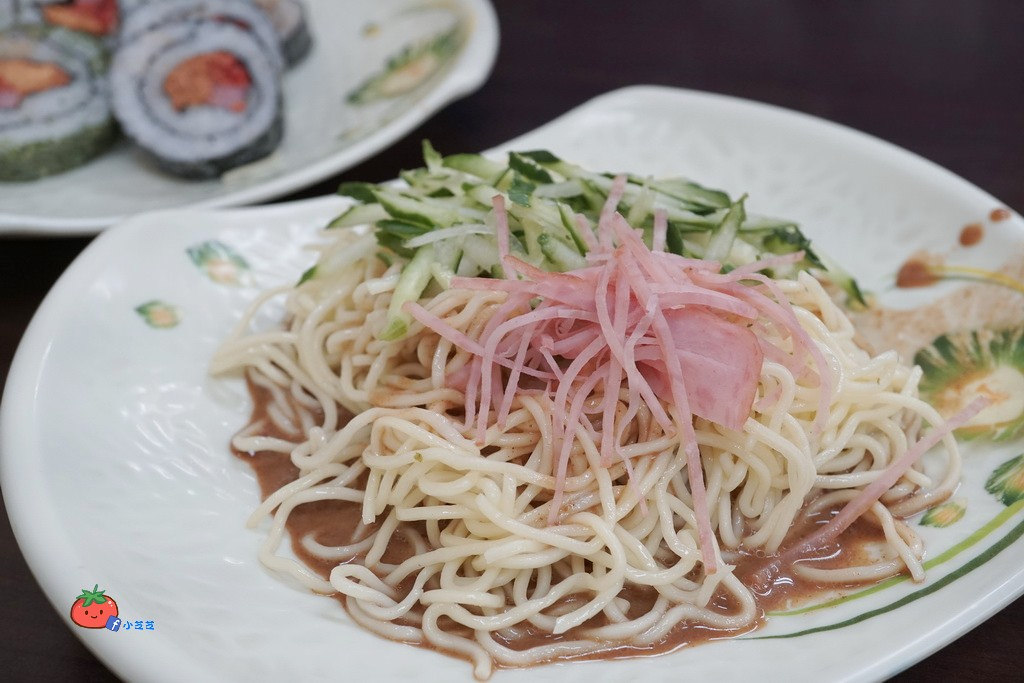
636	325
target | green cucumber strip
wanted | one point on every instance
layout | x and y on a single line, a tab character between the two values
635	186
401	229
568	218
476	165
431	158
531	237
361	192
545	214
560	254
393	234
395	244
447	255
675	210
527	168
521	190
563	190
764	223
420	179
692	193
674	239
782	240
481	249
414	279
642	209
553	163
359	214
545	192
429	213
721	242
484	194
541	156
335	261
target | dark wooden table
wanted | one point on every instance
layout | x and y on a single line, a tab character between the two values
941	79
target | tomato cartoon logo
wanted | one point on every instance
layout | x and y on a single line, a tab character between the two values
93	609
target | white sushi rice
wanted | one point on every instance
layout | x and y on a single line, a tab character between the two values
31	11
8	13
198	133
152	16
59	112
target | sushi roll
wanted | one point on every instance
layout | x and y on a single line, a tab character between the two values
155	14
289	19
99	18
200	96
54	109
8	13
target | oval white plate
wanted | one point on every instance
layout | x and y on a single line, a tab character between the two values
325	133
116	469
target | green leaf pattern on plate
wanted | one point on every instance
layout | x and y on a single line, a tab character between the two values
218	261
950	512
1007	481
409	68
158	314
959	366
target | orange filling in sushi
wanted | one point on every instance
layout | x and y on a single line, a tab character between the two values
98	17
215	79
20	78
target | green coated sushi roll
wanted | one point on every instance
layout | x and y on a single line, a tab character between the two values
98	18
200	96
54	109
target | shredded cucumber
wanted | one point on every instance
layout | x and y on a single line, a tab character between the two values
559	253
721	242
360	214
415	277
439	224
475	165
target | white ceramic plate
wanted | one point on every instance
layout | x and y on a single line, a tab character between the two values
325	132
115	461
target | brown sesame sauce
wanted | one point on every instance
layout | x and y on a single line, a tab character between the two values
339	523
916	272
1000	214
971	234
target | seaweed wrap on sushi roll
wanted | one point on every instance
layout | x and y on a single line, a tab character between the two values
100	18
154	15
54	107
199	96
289	20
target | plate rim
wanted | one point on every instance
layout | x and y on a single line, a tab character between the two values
30	359
39	533
469	72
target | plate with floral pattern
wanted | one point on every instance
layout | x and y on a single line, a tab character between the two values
114	438
377	69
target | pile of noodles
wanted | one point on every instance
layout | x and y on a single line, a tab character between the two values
491	560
